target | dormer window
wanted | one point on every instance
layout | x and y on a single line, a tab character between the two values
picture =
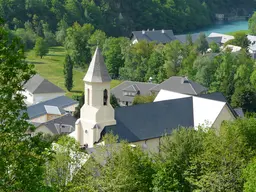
105	97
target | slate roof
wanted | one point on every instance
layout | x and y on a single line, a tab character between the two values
39	109
160	36
177	84
97	71
143	87
38	84
151	120
195	36
55	125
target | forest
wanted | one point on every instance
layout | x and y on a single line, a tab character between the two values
119	17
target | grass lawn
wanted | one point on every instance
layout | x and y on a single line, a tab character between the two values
51	68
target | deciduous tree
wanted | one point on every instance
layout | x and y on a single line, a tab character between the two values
41	47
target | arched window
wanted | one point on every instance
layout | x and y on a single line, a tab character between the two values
88	96
105	97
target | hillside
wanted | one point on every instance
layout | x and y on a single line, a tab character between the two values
119	18
51	68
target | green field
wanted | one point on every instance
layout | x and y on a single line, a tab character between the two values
51	68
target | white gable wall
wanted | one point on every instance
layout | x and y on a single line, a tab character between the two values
46	96
164	95
206	111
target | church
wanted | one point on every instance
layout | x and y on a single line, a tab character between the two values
142	124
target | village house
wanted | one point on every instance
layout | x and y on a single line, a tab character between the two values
143	124
38	89
167	36
61	125
51	109
126	91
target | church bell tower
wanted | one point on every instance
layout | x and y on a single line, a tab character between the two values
97	111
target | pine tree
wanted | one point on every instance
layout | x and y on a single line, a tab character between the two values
68	73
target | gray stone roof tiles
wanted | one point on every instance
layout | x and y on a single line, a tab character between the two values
38	84
97	71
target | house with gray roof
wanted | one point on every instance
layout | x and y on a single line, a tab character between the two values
166	36
38	89
51	109
159	36
62	125
126	91
180	84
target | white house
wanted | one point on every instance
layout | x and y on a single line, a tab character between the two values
143	124
224	38
38	89
51	109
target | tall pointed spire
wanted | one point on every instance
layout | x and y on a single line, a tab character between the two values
97	71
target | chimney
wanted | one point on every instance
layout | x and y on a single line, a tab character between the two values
162	30
153	29
143	32
148	30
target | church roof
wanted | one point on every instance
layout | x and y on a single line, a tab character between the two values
97	71
169	111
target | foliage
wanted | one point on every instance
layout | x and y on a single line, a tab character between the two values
214	47
41	47
250	176
240	39
252	24
201	43
80	105
224	157
176	152
136	57
139	99
76	44
122	168
113	101
65	163
97	39
21	157
112	51
68	73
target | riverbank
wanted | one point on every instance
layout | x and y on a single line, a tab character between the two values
224	27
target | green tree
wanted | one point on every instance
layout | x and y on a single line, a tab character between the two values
139	99
21	157
205	68
250	176
244	97
76	43
65	163
97	39
68	73
136	57
155	61
240	39
214	47
134	173
220	166
201	43
174	161
61	33
41	47
252	24
112	51
173	55
113	101
80	99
